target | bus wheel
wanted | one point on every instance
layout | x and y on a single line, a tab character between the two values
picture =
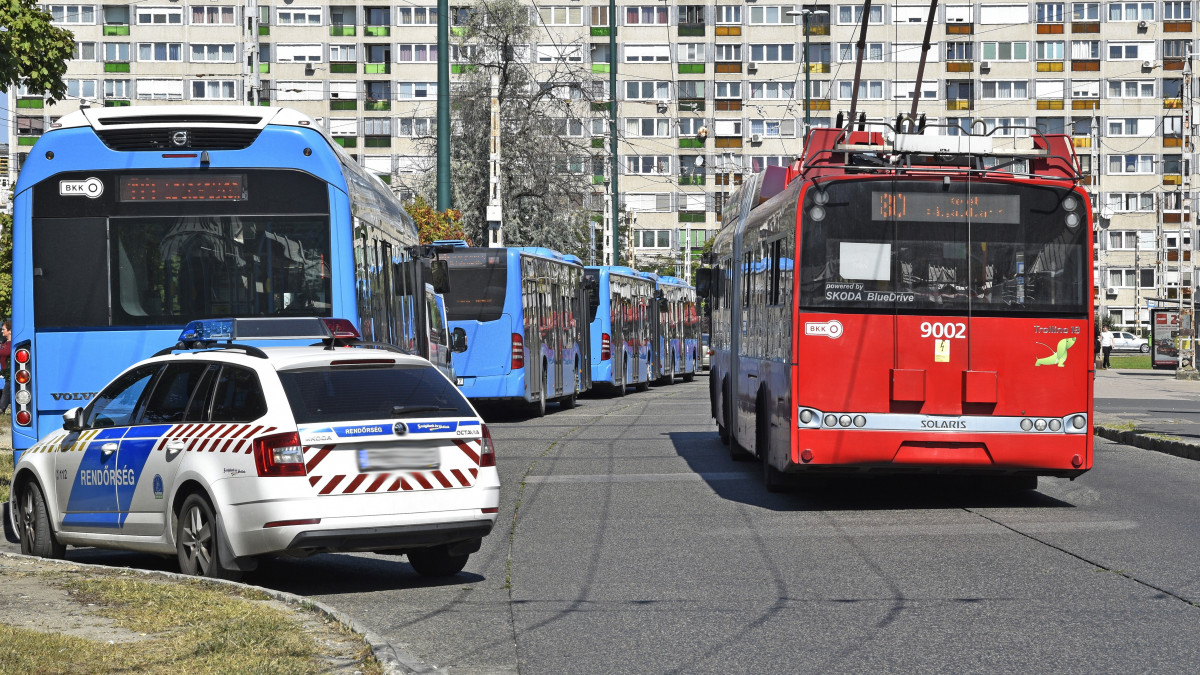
33	520
723	418
538	407
773	478
688	376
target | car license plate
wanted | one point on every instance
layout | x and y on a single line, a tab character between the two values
397	459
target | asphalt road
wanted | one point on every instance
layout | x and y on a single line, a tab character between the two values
629	542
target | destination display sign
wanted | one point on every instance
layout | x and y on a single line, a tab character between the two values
945	207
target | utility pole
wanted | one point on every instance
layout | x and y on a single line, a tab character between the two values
495	220
252	78
1094	184
612	128
1187	312
443	106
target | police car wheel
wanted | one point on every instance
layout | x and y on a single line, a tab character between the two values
196	541
36	535
436	561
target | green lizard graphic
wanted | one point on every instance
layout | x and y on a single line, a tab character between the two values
1059	358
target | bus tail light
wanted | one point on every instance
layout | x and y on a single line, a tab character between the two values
279	455
605	347
487	450
22	385
518	351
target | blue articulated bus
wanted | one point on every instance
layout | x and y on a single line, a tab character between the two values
619	303
522	310
676	331
131	222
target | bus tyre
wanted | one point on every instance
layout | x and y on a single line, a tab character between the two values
773	479
197	545
644	384
688	376
436	561
538	407
37	537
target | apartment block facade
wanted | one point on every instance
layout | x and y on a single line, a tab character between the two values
707	92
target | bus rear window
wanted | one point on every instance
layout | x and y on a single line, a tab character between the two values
916	247
478	281
334	393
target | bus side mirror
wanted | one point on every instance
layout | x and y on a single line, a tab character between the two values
440	271
458	340
703	281
73	419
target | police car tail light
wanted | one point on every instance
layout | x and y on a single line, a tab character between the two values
518	351
279	455
605	347
487	453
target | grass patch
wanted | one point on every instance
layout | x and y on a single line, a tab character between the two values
190	627
6	471
1130	362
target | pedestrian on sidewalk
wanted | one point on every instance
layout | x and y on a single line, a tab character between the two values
5	357
1106	346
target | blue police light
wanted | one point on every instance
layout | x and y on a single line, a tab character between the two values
255	328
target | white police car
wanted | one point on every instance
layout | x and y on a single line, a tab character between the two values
226	453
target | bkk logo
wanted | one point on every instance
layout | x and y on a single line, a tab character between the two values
830	329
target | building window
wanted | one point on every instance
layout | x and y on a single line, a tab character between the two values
772	90
346	53
960	51
1050	50
298	53
1124	240
646	90
690	126
31	126
649	165
652	238
650	15
691	15
647	127
1085	49
781	53
306	16
212	53
785	128
1131	11
1005	51
116	89
76	14
1177	11
214	90
770	15
690	89
1049	12
84	51
1004	89
1085	11
415	127
561	16
377	126
1133	126
1085	88
1130	164
1131	88
415	53
852	14
116	52
647	53
868	90
729	14
728	89
690	52
417	90
417	16
160	16
903	89
160	90
600	16
1005	126
728	53
848	51
212	16
160	51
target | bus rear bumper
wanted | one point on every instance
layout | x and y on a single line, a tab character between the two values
1064	455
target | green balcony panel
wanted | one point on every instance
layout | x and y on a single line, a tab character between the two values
377	105
377	68
599	106
27	140
116	104
346	141
691	69
691	217
601	31
115	30
264	30
691	180
377	142
598	217
691	143
385	178
460	68
343	68
264	101
598	142
377	31
458	31
601	68
116	67
31	103
343	104
264	67
597	180
342	31
691	31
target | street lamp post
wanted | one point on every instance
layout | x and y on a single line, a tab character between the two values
805	14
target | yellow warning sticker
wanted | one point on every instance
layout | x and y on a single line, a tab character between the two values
941	351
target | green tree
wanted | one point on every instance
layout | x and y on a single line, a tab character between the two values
5	266
33	53
433	225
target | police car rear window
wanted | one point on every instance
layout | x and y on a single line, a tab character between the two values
331	394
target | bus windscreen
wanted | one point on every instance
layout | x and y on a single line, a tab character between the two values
478	281
923	247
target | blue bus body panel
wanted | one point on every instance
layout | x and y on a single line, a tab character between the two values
484	370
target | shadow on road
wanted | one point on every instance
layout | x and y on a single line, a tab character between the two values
742	482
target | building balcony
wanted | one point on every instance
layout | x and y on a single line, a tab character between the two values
343	104
1089	27
691	105
27	141
377	68
727	67
1172	103
691	143
1050	29
1086	104
377	104
960	29
1085	66
343	31
1082	141
1177	26
727	105
960	66
31	102
116	102
1173	256
818	104
1172	142
693	216
958	104
377	31
691	180
601	31
691	69
691	30
1174	64
1050	104
730	142
1050	66
343	67
377	142
346	141
113	31
116	67
1172	179
601	67
730	31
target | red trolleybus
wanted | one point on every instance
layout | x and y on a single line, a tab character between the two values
917	304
